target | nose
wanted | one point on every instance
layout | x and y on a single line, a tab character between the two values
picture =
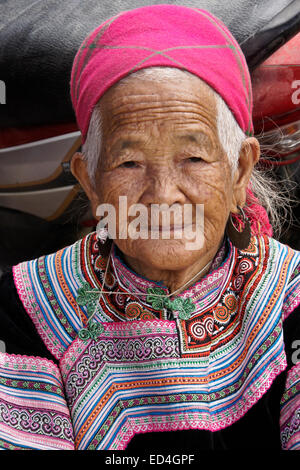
163	187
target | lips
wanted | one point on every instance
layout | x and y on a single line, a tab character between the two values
167	228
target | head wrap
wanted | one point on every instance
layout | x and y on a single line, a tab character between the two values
161	35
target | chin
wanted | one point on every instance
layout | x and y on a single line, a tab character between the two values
162	254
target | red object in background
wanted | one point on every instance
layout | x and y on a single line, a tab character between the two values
276	108
11	136
273	90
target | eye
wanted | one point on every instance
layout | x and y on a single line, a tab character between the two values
195	159
129	164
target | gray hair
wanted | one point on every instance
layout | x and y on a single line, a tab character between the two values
230	136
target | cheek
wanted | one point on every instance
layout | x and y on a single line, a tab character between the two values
211	186
112	185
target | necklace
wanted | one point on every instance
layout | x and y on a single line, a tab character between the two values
156	296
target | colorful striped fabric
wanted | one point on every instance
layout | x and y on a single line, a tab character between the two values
290	411
147	373
33	410
133	380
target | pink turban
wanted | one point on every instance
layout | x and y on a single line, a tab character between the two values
161	35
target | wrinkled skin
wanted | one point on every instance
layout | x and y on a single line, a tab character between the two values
160	145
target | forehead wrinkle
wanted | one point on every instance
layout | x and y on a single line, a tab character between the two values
138	122
139	100
120	94
127	110
161	107
133	134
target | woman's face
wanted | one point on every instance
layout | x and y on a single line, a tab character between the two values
160	146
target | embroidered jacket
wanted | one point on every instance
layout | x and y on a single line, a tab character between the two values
141	371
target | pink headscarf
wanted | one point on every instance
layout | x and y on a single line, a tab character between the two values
163	35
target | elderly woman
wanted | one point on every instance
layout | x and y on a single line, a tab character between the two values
187	333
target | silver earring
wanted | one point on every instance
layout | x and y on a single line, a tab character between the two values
104	242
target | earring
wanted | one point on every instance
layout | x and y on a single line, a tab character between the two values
240	239
103	240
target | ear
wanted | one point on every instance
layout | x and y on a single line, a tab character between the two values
248	157
79	171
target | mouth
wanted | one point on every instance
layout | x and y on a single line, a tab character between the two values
172	228
165	229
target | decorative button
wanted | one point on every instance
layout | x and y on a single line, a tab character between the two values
87	296
158	299
93	331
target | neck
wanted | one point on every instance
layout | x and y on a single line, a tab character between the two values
174	279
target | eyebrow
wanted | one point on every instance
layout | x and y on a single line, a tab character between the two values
124	143
197	137
128	143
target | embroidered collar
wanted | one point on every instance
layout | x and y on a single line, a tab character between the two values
202	292
119	301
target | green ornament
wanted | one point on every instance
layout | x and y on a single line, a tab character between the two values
187	307
93	331
156	302
84	334
168	303
86	294
88	297
184	307
177	304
